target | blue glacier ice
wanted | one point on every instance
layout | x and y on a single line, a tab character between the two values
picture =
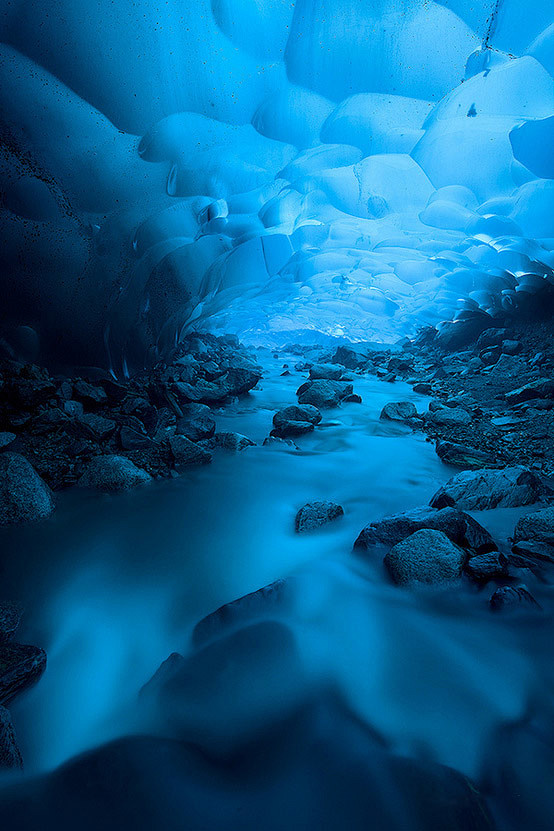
266	167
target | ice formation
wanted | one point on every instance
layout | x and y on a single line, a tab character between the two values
345	168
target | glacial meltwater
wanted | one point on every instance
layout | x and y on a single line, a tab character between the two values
116	583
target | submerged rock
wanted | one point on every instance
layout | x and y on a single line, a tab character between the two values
512	597
315	514
24	497
458	526
426	556
264	602
112	473
324	394
481	490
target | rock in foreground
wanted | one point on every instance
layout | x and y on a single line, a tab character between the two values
24	497
428	557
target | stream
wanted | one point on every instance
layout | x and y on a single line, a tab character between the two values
113	584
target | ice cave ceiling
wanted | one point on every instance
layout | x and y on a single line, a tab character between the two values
350	167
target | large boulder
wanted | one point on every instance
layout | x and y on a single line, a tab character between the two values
425	557
24	497
324	394
458	526
315	514
541	388
481	490
112	473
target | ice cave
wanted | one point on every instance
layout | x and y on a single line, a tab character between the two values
277	415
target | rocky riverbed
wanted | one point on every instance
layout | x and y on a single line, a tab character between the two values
321	477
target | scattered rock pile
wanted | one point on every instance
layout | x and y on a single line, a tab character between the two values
113	435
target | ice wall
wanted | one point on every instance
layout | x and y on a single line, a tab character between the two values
352	168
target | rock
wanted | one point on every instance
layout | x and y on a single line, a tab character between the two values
491	337
512	597
329	372
537	526
10	617
541	388
90	395
133	439
234	442
28	393
448	417
10	756
423	388
276	596
187	452
315	514
508	366
485	567
426	556
458	526
511	347
403	411
240	380
324	394
460	455
6	439
96	426
24	497
231	688
278	443
112	473
73	409
481	490
20	666
456	334
351	357
353	398
292	428
197	422
533	555
297	413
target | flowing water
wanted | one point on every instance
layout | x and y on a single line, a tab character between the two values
113	584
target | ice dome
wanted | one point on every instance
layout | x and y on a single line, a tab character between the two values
267	167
